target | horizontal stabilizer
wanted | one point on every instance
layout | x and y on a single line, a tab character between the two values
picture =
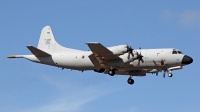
15	56
37	52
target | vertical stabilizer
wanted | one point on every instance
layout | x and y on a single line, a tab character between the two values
48	43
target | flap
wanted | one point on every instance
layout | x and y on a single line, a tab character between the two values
95	62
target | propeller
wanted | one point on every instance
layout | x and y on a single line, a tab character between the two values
130	51
139	57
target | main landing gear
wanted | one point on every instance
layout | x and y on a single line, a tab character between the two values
111	72
130	80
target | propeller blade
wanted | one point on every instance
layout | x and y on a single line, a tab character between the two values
139	57
128	55
138	62
132	54
130	51
142	60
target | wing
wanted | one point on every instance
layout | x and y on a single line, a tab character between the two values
103	56
103	51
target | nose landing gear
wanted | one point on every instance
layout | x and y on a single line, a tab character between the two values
169	73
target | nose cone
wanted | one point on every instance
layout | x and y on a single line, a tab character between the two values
186	60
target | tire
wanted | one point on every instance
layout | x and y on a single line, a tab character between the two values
170	75
130	81
111	72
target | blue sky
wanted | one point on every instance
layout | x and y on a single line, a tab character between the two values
27	86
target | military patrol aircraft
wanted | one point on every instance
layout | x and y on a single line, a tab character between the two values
120	59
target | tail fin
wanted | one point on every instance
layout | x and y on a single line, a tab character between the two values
48	43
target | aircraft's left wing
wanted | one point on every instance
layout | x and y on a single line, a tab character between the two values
103	51
98	48
103	55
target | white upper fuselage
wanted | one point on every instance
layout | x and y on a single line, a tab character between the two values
79	60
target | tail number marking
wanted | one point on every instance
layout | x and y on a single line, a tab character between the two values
47	41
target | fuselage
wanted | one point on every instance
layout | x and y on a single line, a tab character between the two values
79	60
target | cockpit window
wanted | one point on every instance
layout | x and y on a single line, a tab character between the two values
174	52
179	52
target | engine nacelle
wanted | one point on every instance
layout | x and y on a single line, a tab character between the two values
119	50
132	58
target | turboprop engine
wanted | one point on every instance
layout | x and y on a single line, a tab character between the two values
129	56
119	50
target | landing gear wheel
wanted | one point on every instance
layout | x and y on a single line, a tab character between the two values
111	72
170	74
130	81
